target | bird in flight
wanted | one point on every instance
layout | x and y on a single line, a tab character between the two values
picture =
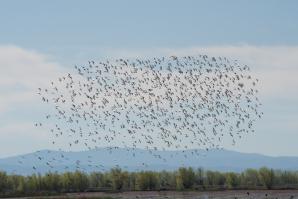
162	103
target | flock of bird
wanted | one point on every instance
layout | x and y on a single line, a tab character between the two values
166	103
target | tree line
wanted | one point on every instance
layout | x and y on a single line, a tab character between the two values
119	180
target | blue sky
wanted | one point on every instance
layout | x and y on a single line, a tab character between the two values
40	40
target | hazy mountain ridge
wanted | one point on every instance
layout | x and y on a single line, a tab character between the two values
139	159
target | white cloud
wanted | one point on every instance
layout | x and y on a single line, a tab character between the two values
22	72
275	66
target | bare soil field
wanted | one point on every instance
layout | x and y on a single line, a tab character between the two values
237	194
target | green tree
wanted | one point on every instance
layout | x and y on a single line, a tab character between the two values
119	179
67	182
266	177
3	182
147	180
185	178
52	182
132	181
167	180
21	186
80	181
288	178
96	180
32	185
214	179
250	178
232	180
199	177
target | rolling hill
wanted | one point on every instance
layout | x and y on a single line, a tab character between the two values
103	159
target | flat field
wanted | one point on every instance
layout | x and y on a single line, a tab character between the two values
239	194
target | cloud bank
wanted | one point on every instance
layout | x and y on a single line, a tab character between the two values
23	71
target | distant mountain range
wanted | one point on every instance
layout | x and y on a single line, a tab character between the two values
104	159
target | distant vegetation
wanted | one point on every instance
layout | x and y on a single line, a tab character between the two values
119	180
